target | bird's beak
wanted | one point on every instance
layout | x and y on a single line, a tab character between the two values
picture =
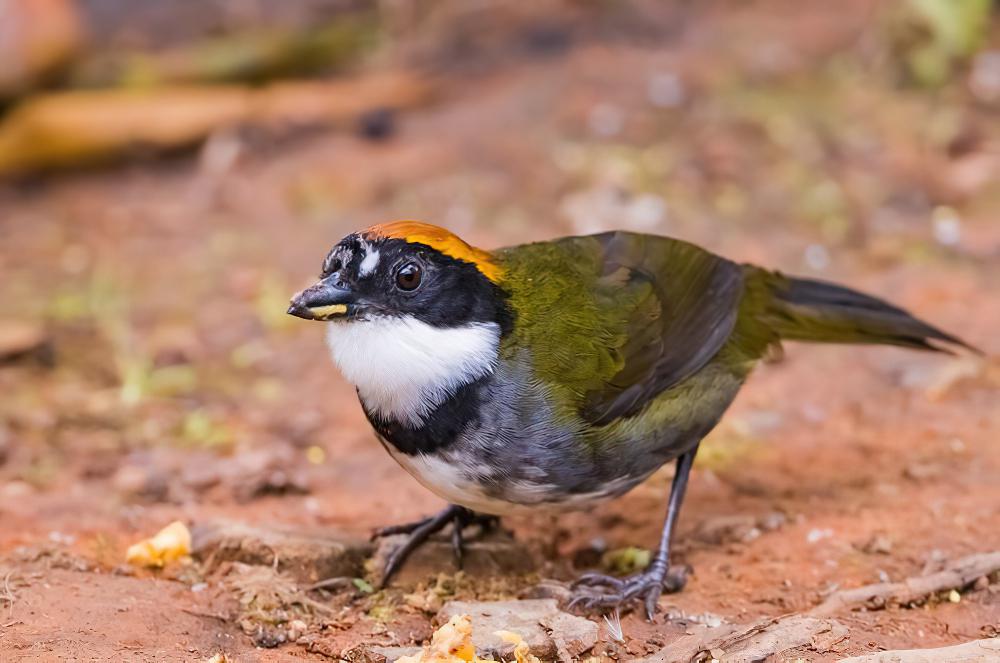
322	301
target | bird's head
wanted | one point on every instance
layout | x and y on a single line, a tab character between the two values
414	312
405	269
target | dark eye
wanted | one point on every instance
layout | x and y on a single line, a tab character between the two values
408	277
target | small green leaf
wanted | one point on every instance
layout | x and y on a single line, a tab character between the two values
626	560
363	585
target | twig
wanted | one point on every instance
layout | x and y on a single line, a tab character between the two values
208	615
977	651
8	625
742	643
956	575
316	605
329	583
8	595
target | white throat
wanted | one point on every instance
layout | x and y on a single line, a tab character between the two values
404	368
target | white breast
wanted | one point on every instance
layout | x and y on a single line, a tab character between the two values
452	477
404	368
450	481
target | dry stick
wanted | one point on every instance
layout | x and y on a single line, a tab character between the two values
317	606
956	575
225	619
8	595
741	643
977	651
329	583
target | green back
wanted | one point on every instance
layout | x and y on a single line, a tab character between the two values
614	320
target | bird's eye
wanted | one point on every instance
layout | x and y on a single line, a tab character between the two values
408	277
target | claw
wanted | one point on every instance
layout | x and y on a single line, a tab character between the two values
595	591
421	530
404	528
418	536
652	597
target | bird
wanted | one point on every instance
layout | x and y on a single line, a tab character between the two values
557	374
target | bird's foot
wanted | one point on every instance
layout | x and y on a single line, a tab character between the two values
595	592
421	530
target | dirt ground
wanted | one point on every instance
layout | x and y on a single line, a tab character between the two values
164	381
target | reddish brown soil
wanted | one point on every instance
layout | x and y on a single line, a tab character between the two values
171	279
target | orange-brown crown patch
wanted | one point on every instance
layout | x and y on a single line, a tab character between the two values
445	241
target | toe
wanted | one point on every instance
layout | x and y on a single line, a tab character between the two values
650	602
598	580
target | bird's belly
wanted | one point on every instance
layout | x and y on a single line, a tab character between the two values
461	479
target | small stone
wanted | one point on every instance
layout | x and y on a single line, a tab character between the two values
947	226
816	257
306	557
16	489
727	529
296	629
549	589
772	521
922	471
391	654
377	124
879	544
815	535
545	628
666	90
143	481
984	77
606	120
19	340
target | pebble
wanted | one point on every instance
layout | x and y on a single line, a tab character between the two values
545	628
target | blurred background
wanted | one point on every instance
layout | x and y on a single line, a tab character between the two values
171	172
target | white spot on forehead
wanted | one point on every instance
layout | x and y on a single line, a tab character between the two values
404	368
370	261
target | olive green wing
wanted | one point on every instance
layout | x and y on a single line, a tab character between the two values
688	315
620	317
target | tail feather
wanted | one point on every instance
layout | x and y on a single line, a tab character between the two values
817	311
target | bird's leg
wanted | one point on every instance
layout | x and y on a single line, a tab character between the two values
421	530
485	521
595	591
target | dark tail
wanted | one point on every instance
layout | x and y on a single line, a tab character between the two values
808	310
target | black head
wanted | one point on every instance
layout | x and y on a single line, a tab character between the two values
377	274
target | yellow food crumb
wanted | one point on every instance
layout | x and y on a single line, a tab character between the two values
450	644
522	652
168	545
315	455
